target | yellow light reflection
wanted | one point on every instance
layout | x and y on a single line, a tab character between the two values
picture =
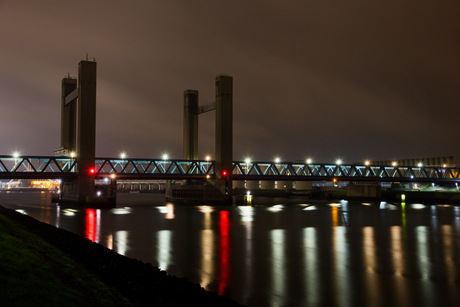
170	211
207	248
335	216
370	262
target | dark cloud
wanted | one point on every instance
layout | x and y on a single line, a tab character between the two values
355	79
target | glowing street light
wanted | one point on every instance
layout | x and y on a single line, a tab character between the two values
73	154
420	164
367	162
16	155
338	161
394	163
277	160
165	156
208	158
123	156
309	161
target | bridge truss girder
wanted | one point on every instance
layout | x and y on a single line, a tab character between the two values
44	167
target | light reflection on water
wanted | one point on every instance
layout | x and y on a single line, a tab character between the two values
341	253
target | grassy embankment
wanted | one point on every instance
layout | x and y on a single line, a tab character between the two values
34	272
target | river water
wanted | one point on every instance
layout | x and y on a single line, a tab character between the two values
283	252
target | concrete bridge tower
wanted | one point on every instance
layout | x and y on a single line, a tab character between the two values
78	131
220	188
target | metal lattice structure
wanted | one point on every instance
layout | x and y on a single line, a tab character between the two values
41	167
346	172
154	169
37	167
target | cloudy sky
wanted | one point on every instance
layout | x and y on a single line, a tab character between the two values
354	79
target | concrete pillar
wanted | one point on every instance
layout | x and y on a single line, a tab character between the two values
224	129
266	184
68	116
86	127
190	125
252	184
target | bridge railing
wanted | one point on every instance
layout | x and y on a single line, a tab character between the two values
350	172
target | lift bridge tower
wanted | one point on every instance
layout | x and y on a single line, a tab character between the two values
219	188
78	134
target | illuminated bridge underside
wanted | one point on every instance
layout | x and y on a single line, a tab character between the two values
64	167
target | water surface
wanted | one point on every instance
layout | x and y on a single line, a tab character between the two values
285	252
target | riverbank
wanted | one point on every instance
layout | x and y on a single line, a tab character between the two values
43	264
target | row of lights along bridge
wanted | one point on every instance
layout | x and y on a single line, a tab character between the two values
165	156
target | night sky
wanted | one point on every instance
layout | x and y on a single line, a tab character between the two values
354	79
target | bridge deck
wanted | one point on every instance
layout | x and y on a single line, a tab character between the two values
44	167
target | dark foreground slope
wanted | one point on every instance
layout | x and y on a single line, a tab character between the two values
34	256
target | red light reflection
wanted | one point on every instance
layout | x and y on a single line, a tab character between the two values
224	250
91	225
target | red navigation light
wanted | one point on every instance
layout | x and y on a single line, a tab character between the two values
92	171
224	173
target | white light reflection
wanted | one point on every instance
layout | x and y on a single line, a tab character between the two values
397	253
124	210
311	259
386	206
450	255
278	266
121	242
370	263
164	249
341	252
247	217
422	252
276	208
206	209
69	212
246	213
344	204
58	216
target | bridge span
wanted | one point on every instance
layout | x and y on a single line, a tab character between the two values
64	167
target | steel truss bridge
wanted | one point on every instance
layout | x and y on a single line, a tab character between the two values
44	167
